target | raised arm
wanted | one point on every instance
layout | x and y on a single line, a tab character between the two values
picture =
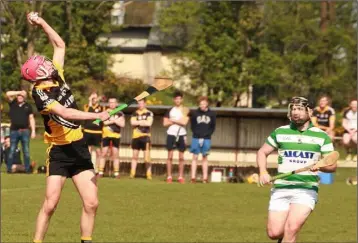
32	125
73	114
56	41
11	95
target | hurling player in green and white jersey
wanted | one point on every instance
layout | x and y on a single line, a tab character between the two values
299	144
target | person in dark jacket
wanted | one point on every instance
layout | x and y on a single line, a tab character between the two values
203	122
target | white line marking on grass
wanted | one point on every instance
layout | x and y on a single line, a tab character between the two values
21	189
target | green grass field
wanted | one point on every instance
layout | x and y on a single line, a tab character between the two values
142	211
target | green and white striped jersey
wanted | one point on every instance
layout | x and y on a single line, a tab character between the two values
297	149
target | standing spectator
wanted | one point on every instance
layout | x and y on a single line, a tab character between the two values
93	132
203	122
17	166
324	116
176	119
141	121
111	134
21	118
349	123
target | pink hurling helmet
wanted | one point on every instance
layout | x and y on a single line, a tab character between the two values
38	68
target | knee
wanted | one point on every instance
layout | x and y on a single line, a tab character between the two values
91	205
274	234
49	206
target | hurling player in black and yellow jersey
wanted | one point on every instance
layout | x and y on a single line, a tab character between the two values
92	132
141	121
68	155
324	116
111	135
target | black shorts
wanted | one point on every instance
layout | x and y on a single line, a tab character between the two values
140	143
172	143
69	159
93	139
107	141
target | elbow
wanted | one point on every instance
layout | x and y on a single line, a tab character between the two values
60	44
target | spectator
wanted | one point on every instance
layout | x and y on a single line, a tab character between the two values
176	119
349	124
111	134
21	118
324	116
93	132
203	122
141	121
17	166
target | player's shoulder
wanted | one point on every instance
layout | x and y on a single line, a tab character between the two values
149	112
346	111
316	109
284	127
316	129
40	93
331	110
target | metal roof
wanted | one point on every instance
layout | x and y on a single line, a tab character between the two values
222	111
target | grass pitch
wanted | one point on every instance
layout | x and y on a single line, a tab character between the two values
152	211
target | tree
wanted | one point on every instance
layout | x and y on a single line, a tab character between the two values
282	48
215	38
78	23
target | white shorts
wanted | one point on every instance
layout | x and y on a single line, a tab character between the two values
282	198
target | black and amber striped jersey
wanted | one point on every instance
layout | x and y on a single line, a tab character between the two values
142	115
58	130
323	116
88	126
113	130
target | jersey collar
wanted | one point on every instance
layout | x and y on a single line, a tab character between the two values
294	127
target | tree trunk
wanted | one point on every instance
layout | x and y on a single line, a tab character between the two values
323	24
332	11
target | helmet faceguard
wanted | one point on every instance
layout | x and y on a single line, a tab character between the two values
38	68
302	102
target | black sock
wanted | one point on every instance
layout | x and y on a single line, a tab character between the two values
279	240
86	241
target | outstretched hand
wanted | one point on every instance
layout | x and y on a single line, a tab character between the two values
34	19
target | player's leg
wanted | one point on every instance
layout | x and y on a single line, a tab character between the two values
86	184
97	148
135	154
278	212
195	150
115	157
145	146
54	185
331	134
170	145
25	144
134	163
181	148
354	140
14	141
297	216
194	167
347	144
205	149
98	158
102	161
301	205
